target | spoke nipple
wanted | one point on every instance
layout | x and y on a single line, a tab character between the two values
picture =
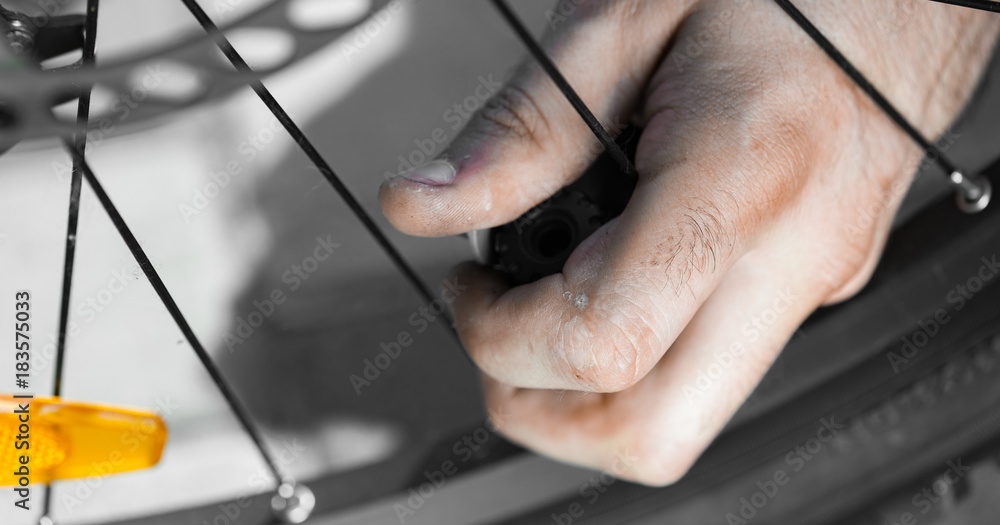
293	502
45	520
973	195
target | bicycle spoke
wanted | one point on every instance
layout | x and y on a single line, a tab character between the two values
985	5
80	143
567	90
242	415
76	181
307	147
973	191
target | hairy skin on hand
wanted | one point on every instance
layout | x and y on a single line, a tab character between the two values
759	167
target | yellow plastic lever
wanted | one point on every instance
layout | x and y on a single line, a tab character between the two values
48	439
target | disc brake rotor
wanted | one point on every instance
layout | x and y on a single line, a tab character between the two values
28	91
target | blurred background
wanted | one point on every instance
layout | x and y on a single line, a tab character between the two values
365	102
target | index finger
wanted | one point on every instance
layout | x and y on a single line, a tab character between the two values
623	297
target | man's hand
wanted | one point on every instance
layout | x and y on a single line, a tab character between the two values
767	184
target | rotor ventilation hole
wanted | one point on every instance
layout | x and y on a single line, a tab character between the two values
318	15
263	48
103	101
167	81
63	60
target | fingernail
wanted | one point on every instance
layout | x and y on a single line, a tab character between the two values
434	173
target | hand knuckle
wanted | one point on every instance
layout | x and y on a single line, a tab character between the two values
662	461
663	471
599	354
513	112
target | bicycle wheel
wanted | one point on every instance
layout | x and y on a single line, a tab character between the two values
257	509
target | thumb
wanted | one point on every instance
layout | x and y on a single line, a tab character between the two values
527	141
